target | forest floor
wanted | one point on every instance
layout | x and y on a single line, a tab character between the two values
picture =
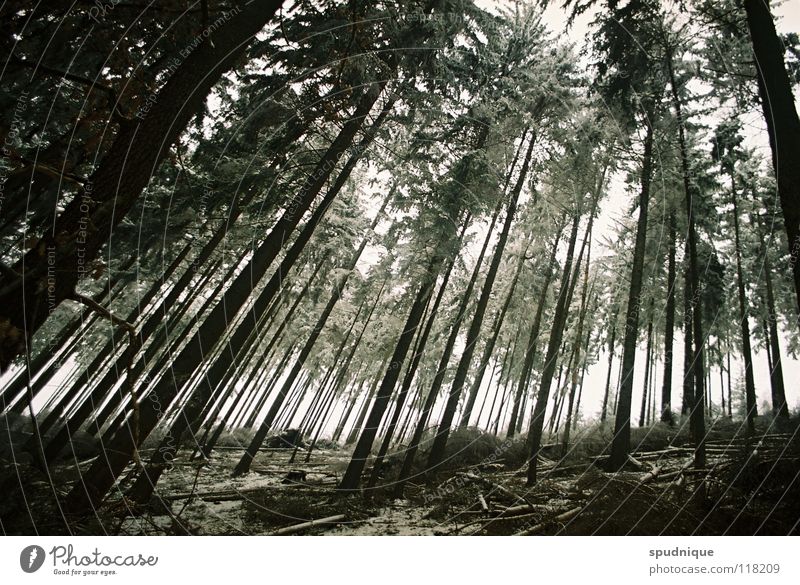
747	487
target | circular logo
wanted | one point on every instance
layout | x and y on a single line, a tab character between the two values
31	558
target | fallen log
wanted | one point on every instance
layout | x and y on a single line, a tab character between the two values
650	475
494	486
523	509
636	463
306	525
484	505
568	515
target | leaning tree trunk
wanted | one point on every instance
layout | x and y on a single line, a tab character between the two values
257	357
697	420
487	351
47	362
579	361
412	369
105	198
355	431
352	476
620	445
35	375
687	398
438	379
492	341
533	339
779	406
460	378
612	338
553	345
647	359
244	463
95	483
783	124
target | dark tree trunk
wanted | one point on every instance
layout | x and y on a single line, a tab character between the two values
24	388
93	486
611	340
688	381
744	317
352	477
533	339
779	406
669	328
578	366
352	436
412	369
460	378
553	345
783	124
236	341
438	379
730	402
46	363
697	420
487	351
337	433
112	190
248	413
551	424
620	446
216	404
648	355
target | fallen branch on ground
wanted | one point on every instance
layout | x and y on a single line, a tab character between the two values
305	525
568	515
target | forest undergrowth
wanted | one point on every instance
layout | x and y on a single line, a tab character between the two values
749	486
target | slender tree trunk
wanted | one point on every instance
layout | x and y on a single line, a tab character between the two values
611	340
159	351
337	433
46	363
688	381
555	414
579	365
648	355
352	477
583	376
779	406
616	390
744	318
412	369
357	425
248	413
697	415
487	351
554	343
730	401
669	328
209	443
214	379
721	380
510	348
438	380
620	446
460	378
533	339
